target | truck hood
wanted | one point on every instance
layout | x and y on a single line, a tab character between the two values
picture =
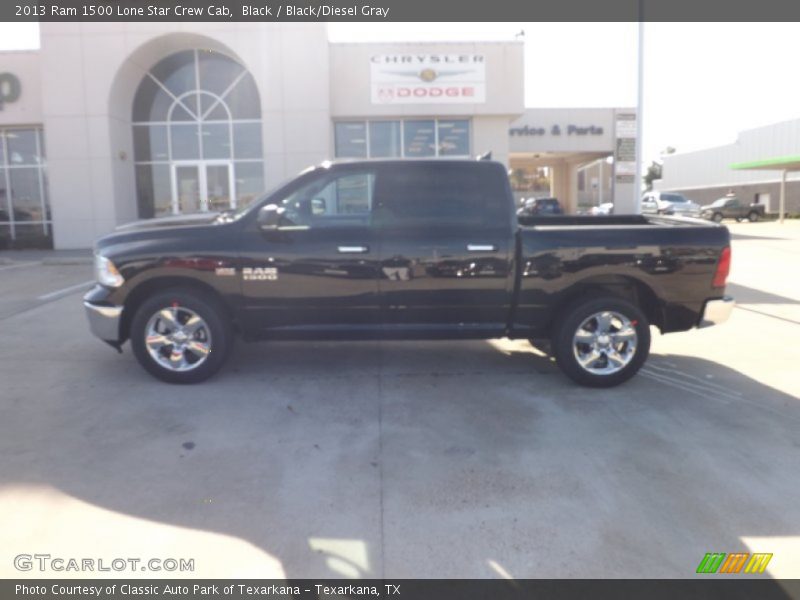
193	220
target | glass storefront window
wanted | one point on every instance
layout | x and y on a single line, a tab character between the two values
155	192
26	194
410	138
150	142
453	138
419	138
384	139
24	203
197	124
216	140
351	140
247	140
22	147
184	141
176	72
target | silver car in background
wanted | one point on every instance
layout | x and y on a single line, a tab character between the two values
669	203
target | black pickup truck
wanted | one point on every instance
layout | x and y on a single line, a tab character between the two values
405	249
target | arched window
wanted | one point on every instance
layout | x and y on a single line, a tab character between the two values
196	135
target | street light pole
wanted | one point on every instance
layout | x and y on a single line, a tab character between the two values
637	186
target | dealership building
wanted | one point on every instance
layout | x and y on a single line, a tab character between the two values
112	122
760	166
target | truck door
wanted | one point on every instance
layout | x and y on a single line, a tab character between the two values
446	248
318	270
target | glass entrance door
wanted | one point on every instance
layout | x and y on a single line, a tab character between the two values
201	186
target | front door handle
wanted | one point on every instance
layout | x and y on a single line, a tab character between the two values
481	248
353	249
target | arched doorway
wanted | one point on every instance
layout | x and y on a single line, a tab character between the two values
196	135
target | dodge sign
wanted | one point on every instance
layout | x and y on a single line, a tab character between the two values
428	79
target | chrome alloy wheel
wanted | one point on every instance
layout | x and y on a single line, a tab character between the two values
178	339
605	343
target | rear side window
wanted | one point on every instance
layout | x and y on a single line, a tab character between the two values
441	195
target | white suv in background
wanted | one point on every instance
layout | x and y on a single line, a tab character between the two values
669	203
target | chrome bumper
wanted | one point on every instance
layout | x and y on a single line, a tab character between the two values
717	311
104	321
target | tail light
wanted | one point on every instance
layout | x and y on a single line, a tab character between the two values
723	268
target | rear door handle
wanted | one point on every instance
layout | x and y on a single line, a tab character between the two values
481	248
353	249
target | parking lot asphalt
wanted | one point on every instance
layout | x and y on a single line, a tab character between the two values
384	459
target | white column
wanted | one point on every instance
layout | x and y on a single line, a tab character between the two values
637	184
783	197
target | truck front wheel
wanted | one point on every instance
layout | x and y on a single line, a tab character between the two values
180	336
601	342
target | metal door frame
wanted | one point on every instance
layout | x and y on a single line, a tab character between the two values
202	181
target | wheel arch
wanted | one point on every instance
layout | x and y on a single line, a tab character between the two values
161	284
624	287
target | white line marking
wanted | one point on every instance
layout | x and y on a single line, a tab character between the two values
65	291
18	265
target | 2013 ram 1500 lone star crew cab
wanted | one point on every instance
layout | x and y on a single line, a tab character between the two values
405	249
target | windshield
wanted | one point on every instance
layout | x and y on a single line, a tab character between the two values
673	198
720	202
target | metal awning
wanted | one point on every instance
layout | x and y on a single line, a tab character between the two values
784	164
778	163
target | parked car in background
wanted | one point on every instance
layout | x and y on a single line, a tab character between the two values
540	206
730	207
607	208
669	203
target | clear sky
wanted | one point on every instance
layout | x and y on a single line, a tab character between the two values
703	82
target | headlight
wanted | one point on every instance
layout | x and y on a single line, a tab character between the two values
106	273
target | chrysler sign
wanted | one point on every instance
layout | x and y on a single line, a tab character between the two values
428	78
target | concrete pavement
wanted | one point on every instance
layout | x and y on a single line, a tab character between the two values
445	459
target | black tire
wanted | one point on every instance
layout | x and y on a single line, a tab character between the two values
753	216
717	217
216	334
570	322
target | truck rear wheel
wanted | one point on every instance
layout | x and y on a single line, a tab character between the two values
752	217
180	336
601	342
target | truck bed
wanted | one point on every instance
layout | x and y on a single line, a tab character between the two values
611	221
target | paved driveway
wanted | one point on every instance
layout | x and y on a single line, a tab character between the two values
468	459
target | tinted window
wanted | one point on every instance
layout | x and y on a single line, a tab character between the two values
673	198
442	195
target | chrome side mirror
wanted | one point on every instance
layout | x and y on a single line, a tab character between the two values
269	217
